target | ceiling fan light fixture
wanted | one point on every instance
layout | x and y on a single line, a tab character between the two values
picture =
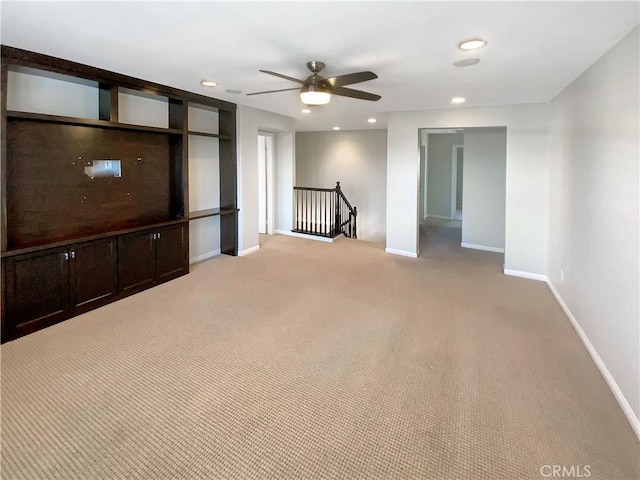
314	95
315	98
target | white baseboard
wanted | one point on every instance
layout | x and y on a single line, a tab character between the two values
529	275
482	247
613	386
308	237
248	251
204	256
403	253
439	216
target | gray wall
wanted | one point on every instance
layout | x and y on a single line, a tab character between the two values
459	177
356	158
483	203
439	157
594	214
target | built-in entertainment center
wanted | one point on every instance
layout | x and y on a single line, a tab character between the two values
95	198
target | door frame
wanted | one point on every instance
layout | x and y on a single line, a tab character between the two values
454	177
270	146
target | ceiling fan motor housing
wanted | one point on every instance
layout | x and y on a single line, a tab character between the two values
315	66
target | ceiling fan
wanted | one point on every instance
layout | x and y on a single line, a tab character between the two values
317	90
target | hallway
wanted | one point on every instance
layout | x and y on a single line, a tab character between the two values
440	241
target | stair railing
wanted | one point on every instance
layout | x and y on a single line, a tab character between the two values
324	212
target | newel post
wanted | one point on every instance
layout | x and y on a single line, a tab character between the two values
338	220
355	223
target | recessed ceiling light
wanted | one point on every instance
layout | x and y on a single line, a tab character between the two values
306	110
233	90
458	100
208	83
472	44
372	120
466	62
336	128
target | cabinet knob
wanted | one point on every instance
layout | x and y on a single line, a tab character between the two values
65	255
73	254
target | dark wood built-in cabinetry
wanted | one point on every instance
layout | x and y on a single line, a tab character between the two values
152	256
95	209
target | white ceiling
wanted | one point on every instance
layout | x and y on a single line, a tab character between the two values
535	49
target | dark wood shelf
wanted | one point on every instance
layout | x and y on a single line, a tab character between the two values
211	135
212	212
66	241
88	122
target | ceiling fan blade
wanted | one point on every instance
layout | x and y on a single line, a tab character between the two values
282	76
274	91
359	94
350	78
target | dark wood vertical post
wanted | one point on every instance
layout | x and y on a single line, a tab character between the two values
4	76
108	102
178	119
228	180
355	222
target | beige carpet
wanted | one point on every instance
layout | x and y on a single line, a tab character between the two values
313	360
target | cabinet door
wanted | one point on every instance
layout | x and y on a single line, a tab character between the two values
94	274
172	252
37	291
136	262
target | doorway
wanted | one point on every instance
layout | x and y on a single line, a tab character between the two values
265	182
464	171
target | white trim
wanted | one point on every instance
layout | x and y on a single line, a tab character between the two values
403	253
482	247
454	178
309	237
529	275
613	386
269	159
204	256
438	216
249	251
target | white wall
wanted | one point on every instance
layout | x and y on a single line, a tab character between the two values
483	197
355	158
249	121
284	179
594	213
527	177
439	173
